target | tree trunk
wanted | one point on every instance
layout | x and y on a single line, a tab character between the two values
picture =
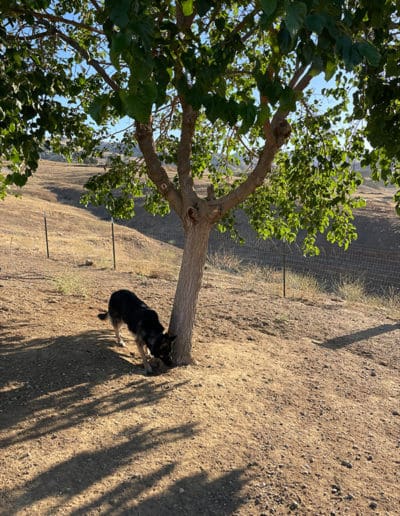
188	288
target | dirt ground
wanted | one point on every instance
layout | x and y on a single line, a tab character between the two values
292	407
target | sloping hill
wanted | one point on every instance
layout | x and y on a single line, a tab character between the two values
292	405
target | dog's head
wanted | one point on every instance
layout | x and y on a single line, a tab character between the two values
163	348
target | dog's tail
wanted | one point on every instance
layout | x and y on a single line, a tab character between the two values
103	316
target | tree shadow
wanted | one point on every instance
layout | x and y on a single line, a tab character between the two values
47	385
194	494
351	338
68	483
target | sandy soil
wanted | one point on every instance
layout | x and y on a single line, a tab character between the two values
292	407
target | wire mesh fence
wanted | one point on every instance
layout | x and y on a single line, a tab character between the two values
377	269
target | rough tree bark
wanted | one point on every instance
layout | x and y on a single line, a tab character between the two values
188	288
198	215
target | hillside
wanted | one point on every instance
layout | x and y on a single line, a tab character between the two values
292	405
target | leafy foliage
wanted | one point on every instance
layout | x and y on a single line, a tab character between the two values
242	68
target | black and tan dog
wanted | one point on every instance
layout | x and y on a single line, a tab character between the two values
125	307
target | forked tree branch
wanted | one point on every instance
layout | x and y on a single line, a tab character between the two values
224	204
277	132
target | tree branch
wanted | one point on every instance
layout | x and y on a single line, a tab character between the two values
256	178
243	23
303	83
156	172
30	37
184	22
86	55
296	76
96	5
277	133
59	19
189	117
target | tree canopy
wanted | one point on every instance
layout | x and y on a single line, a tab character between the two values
221	89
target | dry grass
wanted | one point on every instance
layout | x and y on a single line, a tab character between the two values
303	284
225	261
351	290
71	284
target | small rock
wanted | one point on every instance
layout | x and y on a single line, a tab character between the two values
346	464
349	497
373	372
370	457
181	490
373	505
293	506
87	263
395	413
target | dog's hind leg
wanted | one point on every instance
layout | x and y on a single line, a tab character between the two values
116	323
141	347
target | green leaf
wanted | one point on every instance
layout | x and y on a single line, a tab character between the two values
203	6
369	52
287	100
268	6
295	17
187	7
263	115
137	105
248	112
272	90
330	70
315	23
119	12
97	108
344	49
284	40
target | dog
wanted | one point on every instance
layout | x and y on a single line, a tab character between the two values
125	307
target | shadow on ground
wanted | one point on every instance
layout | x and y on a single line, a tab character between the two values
60	374
352	338
55	384
67	483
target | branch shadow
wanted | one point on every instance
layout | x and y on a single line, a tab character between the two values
194	494
68	482
346	340
47	385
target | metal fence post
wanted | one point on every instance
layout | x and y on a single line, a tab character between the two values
113	243
46	234
284	273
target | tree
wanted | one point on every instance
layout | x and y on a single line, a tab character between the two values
222	90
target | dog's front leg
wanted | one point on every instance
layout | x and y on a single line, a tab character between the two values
141	347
